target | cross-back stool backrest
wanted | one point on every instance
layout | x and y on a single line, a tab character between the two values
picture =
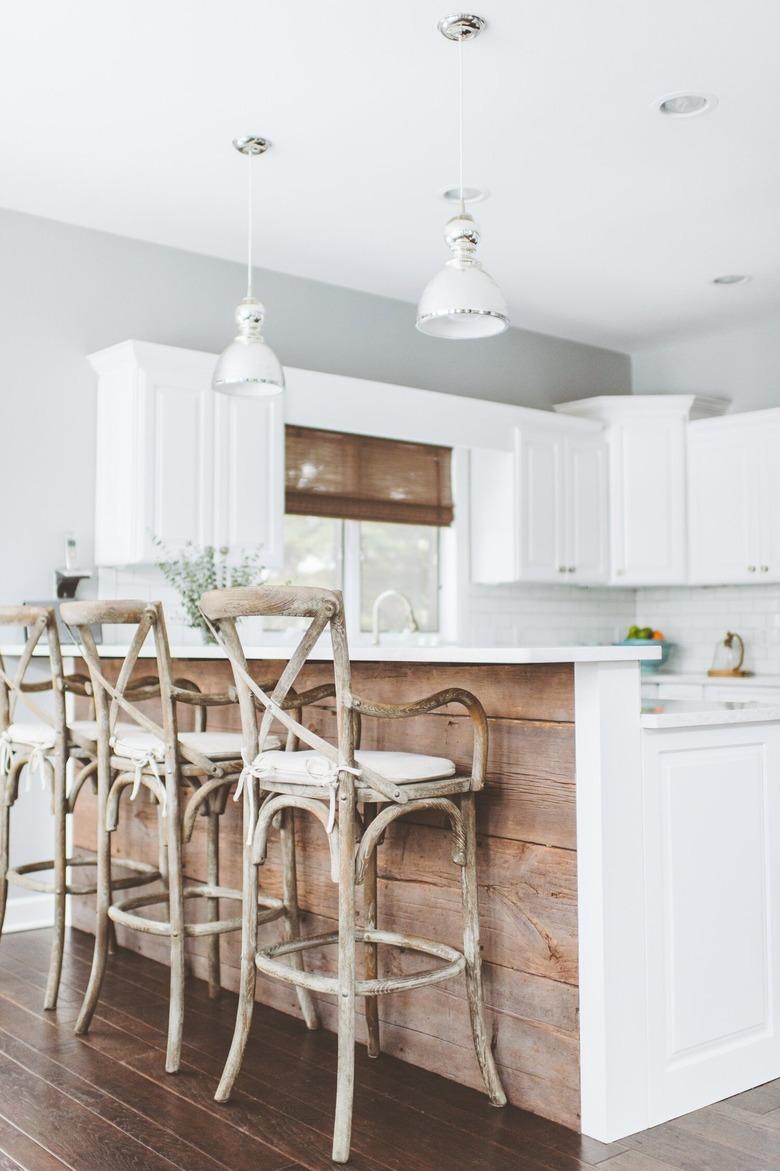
111	702
14	689
111	699
325	611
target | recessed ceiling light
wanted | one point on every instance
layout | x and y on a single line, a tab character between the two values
470	194
686	105
731	278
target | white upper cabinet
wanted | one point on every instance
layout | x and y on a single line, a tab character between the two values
733	488
177	462
539	513
249	475
647	482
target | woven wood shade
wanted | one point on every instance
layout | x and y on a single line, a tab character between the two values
359	477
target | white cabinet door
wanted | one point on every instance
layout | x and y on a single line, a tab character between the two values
769	504
723	499
712	858
647	498
178	426
587	548
154	451
541	502
249	477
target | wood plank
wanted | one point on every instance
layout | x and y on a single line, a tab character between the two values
26	1152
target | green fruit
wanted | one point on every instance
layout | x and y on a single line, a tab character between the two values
633	632
645	632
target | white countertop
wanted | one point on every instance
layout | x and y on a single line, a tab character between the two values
703	679
700	713
395	653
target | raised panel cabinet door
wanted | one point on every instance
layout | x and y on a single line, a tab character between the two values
178	496
647	499
541	504
249	477
587	544
769	505
712	856
723	498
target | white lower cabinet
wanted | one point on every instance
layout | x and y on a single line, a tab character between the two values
712	863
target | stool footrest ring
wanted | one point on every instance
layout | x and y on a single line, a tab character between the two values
124	912
24	875
266	961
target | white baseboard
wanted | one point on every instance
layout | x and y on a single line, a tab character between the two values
29	913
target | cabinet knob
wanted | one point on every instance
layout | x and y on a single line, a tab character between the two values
751	569
620	572
561	568
571	568
765	569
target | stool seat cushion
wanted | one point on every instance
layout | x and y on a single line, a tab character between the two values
402	767
88	729
32	735
214	745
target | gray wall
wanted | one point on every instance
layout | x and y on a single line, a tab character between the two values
66	291
741	364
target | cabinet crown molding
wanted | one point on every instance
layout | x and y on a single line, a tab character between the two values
620	408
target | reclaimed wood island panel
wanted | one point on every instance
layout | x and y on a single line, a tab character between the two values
527	871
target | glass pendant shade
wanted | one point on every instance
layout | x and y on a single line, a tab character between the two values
462	302
248	366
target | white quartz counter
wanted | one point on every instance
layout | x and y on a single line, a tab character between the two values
700	713
397	653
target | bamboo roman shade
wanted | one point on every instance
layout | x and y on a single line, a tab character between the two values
359	477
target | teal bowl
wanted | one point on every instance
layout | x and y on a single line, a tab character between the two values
650	666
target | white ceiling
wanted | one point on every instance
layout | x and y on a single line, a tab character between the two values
606	221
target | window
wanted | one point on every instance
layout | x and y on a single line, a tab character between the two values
403	558
364	515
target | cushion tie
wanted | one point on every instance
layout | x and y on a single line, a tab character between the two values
142	760
321	771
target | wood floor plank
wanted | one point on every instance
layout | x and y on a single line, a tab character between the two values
760	1100
686	1151
741	1134
184	1134
72	1131
28	1153
635	1161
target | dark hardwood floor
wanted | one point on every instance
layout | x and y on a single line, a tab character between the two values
104	1102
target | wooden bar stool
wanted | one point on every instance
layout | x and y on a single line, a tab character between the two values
64	753
329	782
187	773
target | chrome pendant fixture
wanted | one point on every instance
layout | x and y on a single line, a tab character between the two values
462	302
248	366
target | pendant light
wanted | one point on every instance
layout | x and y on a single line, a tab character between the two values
462	302
248	366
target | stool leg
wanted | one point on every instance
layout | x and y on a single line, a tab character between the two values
176	919
60	856
102	899
345	1084
212	877
248	973
292	918
473	958
371	950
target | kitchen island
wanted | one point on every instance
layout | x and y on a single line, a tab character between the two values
558	821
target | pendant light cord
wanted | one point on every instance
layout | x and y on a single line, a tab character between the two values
250	162
460	125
